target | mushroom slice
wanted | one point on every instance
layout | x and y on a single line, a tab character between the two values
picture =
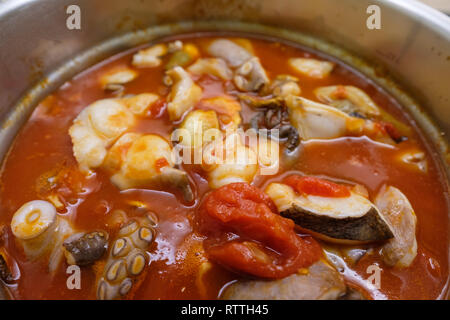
317	121
211	66
250	76
312	68
319	282
150	57
85	248
399	214
348	99
232	53
184	94
349	220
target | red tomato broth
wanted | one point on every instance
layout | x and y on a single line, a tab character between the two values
43	145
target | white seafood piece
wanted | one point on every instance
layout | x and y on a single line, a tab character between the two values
95	128
150	57
282	86
33	219
250	76
118	76
101	123
137	160
268	153
353	219
414	159
184	94
229	51
127	258
317	121
193	131
229	161
319	282
85	248
311	67
398	212
40	231
141	103
358	100
211	66
227	109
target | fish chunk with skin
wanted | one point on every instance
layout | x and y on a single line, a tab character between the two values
401	250
319	282
349	220
184	94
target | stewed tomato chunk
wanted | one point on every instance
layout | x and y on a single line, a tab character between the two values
245	233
